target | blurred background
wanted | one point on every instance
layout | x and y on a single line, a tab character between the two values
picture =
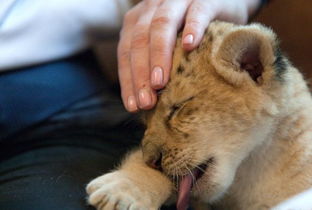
290	19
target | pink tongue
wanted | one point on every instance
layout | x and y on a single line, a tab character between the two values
184	192
185	189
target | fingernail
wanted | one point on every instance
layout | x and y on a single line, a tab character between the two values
189	39
131	104
145	98
157	76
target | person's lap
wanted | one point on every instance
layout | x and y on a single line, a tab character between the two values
49	165
51	178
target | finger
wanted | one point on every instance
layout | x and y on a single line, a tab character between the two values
163	34
125	78
123	53
139	58
199	15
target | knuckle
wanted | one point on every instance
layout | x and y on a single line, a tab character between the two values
160	44
123	53
197	8
162	20
161	51
193	24
139	40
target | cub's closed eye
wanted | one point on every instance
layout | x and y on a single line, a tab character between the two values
177	107
159	92
174	108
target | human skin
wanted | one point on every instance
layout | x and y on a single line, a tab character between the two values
148	36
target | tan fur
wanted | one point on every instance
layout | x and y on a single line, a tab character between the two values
256	134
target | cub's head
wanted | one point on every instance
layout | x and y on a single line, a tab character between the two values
219	105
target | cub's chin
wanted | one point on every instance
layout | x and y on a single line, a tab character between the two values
206	183
214	182
208	189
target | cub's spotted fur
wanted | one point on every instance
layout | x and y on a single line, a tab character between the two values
235	119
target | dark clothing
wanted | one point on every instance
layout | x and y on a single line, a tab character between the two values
49	166
47	159
60	136
32	94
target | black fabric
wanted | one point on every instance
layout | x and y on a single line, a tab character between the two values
51	178
48	166
46	162
60	127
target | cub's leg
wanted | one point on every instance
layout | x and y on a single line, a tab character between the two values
133	186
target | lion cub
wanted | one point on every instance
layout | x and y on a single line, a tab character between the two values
232	129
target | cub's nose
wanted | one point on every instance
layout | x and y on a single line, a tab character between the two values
152	155
155	163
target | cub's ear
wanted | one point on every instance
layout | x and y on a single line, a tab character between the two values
245	54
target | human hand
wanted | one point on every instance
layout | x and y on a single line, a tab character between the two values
148	37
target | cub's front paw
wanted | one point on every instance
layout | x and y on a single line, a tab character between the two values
117	191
